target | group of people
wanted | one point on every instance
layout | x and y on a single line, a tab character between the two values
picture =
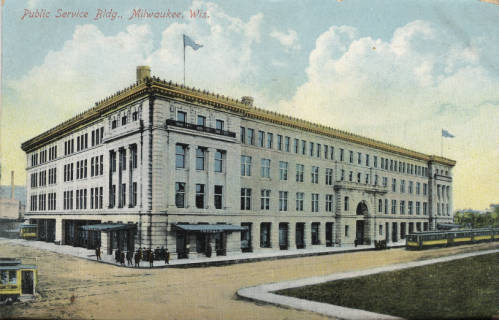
139	255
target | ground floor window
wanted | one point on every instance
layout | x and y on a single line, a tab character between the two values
346	231
315	233
265	234
246	237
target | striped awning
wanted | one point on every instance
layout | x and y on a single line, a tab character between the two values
209	228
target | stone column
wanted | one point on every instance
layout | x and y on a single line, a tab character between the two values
59	231
322	233
171	168
274	235
292	235
255	236
210	171
190	192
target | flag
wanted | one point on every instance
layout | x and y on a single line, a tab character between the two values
446	134
188	42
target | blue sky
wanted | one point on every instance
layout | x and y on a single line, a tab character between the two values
399	71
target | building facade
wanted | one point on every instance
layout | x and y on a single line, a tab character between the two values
159	164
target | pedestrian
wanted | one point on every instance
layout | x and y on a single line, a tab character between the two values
117	255
97	253
151	259
122	258
167	256
137	259
129	257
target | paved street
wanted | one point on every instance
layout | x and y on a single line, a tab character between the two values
72	287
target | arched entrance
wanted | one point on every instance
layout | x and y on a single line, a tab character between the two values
360	224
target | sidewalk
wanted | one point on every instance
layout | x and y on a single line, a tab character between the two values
197	262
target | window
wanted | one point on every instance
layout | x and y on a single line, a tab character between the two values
329	202
315	233
181	116
135	116
218	197
296	145
359	158
351	156
367	160
114	124
124	120
283	170
261	138
219	124
380	229
418	208
332	153
394	185
265	235
201	121
180	194
180	156
265	168
265	199
359	176
315	174
342	155
200	158
303	147
286	144
409	207
279	142
245	166
299	201
394	206
402	186
311	144
283	201
200	196
319	151
410	186
380	205
350	176
375	161
219	158
133	201
122	196
326	153
245	199
300	168
425	189
315	202
243	135
250	136
270	140
346	231
329	176
402	207
385	181
418	188
386	206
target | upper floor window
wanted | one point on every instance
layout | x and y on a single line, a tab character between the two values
286	144
180	194
245	166
180	156
261	137
181	116
200	196
201	121
243	135
329	176
251	136
315	174
200	158
219	158
296	145
315	202
300	168
303	147
311	149
283	201
219	124
283	170
245	199
218	196
265	169
270	140
114	124
279	142
319	150
359	158
351	156
342	155
135	116
124	120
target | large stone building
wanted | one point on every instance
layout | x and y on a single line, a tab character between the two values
159	164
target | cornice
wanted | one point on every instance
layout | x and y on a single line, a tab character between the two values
157	87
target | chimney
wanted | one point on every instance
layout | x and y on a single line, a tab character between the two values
143	72
12	185
247	100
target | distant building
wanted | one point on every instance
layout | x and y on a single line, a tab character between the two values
158	164
11	208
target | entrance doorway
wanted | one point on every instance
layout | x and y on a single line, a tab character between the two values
402	230
394	232
27	282
246	237
387	233
359	232
329	234
283	236
221	243
300	235
181	242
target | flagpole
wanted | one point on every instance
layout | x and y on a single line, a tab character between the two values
183	37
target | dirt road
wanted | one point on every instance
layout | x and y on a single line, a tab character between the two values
70	287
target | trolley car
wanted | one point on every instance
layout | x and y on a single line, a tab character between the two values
16	279
424	240
28	231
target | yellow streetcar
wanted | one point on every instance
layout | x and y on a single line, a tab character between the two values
424	240
16	279
28	231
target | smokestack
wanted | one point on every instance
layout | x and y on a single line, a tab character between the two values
12	185
143	72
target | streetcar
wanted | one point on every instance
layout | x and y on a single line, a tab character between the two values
424	240
16	279
28	231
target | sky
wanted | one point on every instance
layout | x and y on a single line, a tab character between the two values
397	71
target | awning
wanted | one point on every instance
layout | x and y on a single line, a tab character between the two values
106	227
210	228
448	226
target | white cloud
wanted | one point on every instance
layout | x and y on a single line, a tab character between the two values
288	40
405	91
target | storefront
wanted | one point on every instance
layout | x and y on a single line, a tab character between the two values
112	236
211	239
